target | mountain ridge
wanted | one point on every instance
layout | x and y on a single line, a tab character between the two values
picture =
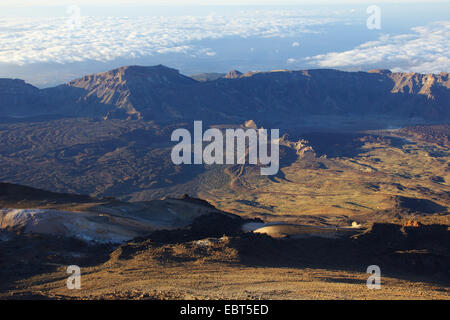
163	94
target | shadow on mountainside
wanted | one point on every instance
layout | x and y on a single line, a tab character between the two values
338	144
25	256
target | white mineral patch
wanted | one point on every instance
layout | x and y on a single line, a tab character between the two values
94	226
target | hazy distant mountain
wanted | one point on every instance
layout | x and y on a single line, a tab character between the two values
163	94
18	98
233	74
207	76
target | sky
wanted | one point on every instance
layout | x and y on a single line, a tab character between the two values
52	42
199	2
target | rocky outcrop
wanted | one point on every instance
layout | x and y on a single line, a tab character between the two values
301	146
233	74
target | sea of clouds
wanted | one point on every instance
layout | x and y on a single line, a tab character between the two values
77	38
72	39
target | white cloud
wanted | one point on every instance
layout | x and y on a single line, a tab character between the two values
295	44
31	40
426	49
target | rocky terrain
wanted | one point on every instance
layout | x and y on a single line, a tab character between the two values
218	250
436	134
342	173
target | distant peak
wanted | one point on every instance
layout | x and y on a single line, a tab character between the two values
155	74
12	81
233	74
380	71
137	67
15	83
147	69
137	71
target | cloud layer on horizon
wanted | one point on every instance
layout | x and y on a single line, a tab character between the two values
425	50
